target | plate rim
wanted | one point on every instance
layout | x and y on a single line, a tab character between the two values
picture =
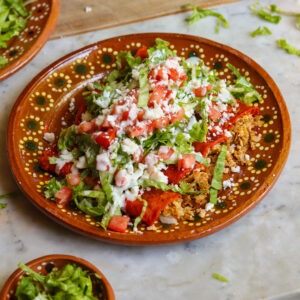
243	209
38	44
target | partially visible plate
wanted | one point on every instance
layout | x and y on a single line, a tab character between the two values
23	48
44	105
43	265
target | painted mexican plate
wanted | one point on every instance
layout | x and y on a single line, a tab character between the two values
21	49
201	194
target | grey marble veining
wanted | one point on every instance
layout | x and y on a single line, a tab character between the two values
259	254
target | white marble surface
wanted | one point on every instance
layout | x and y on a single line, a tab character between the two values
259	254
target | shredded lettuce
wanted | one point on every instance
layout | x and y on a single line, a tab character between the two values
13	19
144	87
242	89
219	277
216	183
68	282
283	44
264	13
200	13
261	31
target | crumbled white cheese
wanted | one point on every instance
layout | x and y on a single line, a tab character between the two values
228	183
209	206
49	137
236	169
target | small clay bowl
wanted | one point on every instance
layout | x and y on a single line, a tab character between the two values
42	264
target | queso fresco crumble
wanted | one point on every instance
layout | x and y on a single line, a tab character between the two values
153	140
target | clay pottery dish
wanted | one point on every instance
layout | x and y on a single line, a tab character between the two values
44	104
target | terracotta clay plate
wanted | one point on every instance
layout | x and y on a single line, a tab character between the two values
22	48
44	105
45	264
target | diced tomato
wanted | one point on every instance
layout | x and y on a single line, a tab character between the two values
165	152
161	122
121	178
66	169
105	138
140	115
142	52
186	162
80	111
156	199
213	113
173	74
44	159
73	179
200	91
203	147
174	175
86	127
157	96
178	116
136	130
242	110
63	196
118	223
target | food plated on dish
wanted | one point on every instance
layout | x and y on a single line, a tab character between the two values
57	277
149	139
24	28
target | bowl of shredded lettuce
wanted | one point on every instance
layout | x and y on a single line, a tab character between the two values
57	277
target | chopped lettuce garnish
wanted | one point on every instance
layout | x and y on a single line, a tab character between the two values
13	18
275	9
283	44
144	87
219	277
68	282
216	183
200	13
261	31
242	89
264	13
183	188
138	220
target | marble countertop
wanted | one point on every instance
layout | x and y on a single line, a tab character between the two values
258	254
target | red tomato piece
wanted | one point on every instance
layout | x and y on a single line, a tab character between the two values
66	169
86	127
165	152
63	196
73	179
157	96
161	122
105	138
136	130
157	201
174	175
213	113
118	223
186	162
142	52
44	159
178	116
173	74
